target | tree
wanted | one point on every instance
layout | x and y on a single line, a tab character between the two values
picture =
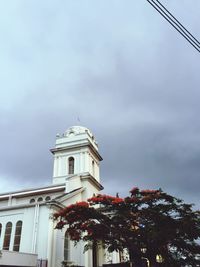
148	224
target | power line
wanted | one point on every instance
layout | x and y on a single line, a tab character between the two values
180	25
175	23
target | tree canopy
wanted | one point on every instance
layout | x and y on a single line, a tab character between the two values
148	224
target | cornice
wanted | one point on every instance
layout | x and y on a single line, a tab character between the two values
33	191
86	144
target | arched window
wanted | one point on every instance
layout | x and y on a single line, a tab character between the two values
40	199
47	198
18	231
93	169
66	247
71	165
6	243
32	200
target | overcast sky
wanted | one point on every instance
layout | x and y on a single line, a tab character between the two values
122	70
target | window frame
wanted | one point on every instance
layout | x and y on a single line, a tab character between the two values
71	165
66	251
7	236
17	237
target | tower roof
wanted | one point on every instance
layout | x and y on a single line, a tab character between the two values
76	136
77	130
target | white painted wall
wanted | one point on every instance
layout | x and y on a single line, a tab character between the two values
17	259
3	203
10	216
83	163
42	232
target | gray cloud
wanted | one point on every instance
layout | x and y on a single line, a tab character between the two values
122	70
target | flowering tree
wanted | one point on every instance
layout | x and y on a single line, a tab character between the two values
149	224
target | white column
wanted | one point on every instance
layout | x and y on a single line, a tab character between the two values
55	170
81	162
12	236
50	241
88	258
35	228
10	200
84	155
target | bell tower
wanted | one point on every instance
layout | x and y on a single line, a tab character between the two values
76	154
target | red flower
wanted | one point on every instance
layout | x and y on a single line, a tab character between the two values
56	215
134	190
132	200
117	200
147	191
82	204
90	231
95	199
60	225
101	199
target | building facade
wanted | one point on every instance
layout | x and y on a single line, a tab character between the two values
27	234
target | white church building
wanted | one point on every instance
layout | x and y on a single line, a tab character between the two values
27	234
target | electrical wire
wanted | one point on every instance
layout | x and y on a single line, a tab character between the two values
180	25
175	23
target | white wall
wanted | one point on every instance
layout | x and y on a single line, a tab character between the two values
17	259
10	216
42	234
35	221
